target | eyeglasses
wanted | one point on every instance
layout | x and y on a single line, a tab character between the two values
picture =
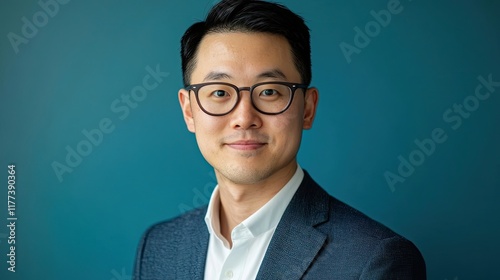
270	98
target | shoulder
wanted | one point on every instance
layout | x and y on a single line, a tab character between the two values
360	245
347	220
361	233
340	218
179	226
171	249
176	233
350	226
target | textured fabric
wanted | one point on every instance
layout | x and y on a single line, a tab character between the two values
250	238
318	237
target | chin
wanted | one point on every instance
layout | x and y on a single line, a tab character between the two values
244	174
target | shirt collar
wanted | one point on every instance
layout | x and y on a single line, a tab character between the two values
264	219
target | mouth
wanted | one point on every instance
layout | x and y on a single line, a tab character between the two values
246	145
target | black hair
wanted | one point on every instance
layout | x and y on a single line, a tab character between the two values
250	16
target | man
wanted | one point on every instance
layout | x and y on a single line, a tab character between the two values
247	70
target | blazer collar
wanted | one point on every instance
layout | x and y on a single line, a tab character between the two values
296	241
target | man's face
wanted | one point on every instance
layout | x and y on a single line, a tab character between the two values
245	146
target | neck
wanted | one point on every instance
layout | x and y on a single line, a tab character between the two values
238	202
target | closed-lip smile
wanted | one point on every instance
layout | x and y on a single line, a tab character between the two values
246	144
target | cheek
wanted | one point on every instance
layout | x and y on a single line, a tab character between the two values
288	130
292	120
207	129
203	123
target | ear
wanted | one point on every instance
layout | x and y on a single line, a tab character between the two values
187	111
310	104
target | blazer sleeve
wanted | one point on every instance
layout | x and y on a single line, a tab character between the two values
139	256
395	258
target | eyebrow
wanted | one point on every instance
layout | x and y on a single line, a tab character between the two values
216	76
273	73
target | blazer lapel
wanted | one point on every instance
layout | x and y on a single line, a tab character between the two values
296	242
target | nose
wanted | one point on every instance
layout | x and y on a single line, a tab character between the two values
244	116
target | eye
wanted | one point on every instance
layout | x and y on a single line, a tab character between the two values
269	92
220	93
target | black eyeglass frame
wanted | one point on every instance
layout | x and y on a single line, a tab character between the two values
292	86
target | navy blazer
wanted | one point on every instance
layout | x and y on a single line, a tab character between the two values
318	237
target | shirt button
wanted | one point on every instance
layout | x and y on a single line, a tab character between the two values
229	274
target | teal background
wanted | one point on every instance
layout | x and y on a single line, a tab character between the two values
148	168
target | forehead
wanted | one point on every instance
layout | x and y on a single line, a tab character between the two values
244	55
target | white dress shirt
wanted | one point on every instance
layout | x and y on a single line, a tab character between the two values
250	238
